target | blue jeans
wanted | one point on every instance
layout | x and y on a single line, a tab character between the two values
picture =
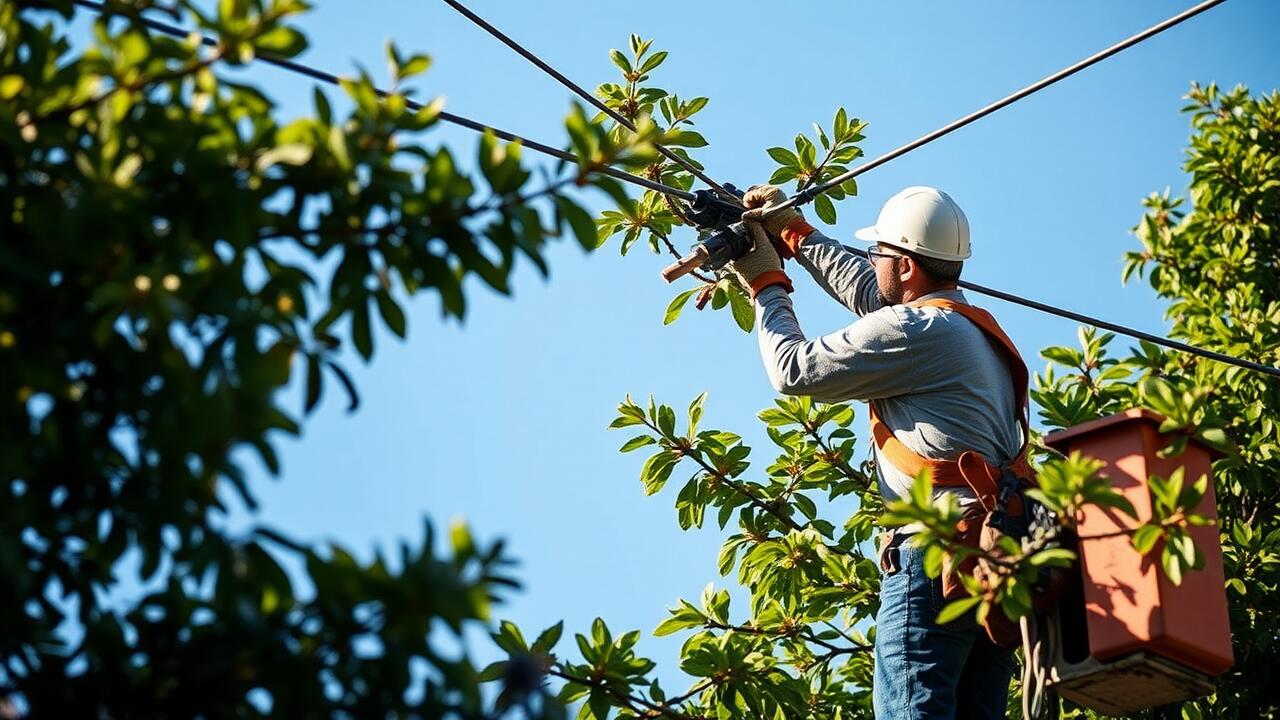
926	671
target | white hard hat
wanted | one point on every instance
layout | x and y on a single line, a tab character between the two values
924	221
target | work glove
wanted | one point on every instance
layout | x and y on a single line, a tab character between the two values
785	227
760	267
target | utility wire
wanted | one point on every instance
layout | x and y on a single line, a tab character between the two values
582	93
803	197
331	79
1121	329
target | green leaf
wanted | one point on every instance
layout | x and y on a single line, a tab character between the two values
657	470
637	442
783	174
675	624
315	381
391	313
1172	565
1053	557
956	608
666	420
784	157
584	228
743	312
653	61
281	40
548	638
415	65
695	412
621	61
693	106
289	154
494	671
841	125
624	421
1063	356
677	304
683	138
10	86
825	209
361	335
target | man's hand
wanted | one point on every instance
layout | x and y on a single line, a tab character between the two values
786	227
761	267
760	198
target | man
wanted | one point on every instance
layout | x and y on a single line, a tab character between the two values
938	381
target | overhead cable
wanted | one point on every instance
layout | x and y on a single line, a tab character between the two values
1121	329
807	195
331	79
582	93
627	177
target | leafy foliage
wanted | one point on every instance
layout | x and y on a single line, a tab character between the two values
165	238
656	216
803	166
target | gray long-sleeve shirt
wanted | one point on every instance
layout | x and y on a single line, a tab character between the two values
936	380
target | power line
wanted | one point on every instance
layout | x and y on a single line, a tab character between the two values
1121	329
582	93
807	195
331	79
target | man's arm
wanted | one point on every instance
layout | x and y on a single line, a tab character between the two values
844	274
867	360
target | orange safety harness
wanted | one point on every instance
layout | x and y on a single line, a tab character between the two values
999	496
970	469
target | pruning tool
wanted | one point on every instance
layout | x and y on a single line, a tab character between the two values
724	236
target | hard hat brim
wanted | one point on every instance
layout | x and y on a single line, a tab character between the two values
867	234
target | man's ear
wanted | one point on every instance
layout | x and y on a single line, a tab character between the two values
908	266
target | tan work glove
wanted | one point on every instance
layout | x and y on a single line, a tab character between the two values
761	267
785	227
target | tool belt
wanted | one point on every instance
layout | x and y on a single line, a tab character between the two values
1002	508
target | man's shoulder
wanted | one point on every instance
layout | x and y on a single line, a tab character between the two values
928	315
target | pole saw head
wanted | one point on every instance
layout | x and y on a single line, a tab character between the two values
724	237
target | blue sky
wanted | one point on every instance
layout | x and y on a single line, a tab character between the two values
501	420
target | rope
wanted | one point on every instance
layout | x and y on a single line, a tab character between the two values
816	190
582	93
1039	643
331	79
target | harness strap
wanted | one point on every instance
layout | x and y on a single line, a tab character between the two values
970	469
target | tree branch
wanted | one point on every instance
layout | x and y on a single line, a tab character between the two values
636	704
804	634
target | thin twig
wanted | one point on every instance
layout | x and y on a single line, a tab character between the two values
802	634
632	702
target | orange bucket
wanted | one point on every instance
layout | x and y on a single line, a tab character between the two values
1129	604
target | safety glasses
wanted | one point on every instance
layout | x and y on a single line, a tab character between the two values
872	252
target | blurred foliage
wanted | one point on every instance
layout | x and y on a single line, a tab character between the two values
173	256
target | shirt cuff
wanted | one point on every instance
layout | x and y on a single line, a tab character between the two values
793	234
769	279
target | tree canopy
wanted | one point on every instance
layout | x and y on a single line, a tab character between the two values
173	256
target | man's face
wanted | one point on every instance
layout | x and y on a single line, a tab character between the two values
888	264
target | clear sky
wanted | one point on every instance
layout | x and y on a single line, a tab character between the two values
501	420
